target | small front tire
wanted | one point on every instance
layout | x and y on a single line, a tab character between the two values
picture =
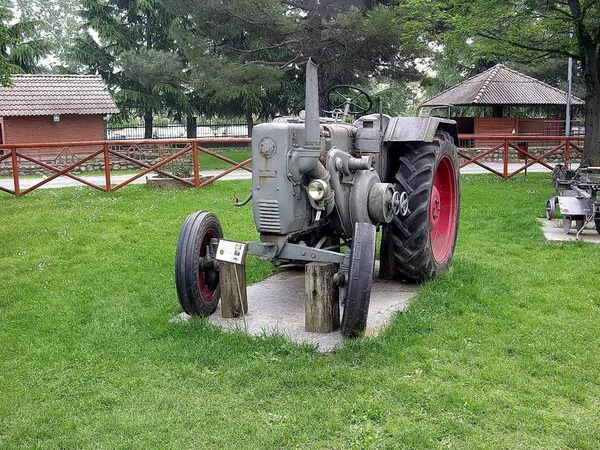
196	273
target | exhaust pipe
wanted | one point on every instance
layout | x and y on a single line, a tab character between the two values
303	160
312	138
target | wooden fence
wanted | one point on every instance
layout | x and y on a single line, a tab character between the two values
70	157
81	153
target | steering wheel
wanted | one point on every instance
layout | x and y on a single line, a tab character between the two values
344	96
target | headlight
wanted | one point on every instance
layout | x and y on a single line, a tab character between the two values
317	189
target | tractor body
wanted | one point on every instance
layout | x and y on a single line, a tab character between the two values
317	180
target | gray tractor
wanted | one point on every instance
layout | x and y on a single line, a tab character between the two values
321	184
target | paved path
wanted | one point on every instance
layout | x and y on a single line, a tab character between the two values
276	307
63	181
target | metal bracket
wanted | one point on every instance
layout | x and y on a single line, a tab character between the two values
269	250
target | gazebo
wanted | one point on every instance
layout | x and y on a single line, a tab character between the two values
500	90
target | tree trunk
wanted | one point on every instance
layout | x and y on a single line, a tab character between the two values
250	122
148	124
591	144
192	127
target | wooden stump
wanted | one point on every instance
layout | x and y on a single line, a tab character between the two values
322	308
386	255
232	298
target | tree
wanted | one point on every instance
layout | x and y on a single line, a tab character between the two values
7	69
528	31
57	25
135	54
353	41
20	46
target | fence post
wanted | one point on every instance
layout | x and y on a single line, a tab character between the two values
107	168
505	158
15	167
196	164
567	153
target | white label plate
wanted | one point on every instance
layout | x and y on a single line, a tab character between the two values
232	252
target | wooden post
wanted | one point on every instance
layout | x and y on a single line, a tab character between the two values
505	159
322	308
233	296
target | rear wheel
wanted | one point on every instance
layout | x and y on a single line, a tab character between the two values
423	240
360	280
597	221
196	274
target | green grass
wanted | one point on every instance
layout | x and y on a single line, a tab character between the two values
500	353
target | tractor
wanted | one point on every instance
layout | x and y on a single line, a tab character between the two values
323	184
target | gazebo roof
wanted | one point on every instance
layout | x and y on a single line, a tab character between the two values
40	95
500	85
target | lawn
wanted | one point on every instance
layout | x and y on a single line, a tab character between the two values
503	352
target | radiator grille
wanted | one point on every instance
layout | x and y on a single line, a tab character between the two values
269	216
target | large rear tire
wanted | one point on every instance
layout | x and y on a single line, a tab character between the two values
423	241
196	277
360	280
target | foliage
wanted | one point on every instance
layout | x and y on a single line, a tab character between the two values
500	353
135	54
397	100
252	53
21	48
6	67
531	32
57	24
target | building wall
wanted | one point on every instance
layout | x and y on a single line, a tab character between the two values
43	129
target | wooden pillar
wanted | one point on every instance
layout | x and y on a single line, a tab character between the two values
233	289
322	308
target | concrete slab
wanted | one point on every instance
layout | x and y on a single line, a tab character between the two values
553	230
276	307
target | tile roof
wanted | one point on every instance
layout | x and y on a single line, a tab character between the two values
502	86
40	95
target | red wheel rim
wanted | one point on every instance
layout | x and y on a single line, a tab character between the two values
443	210
207	294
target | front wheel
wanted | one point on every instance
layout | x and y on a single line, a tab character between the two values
551	208
567	224
422	241
360	280
196	272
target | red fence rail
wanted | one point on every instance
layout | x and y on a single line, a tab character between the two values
501	146
521	145
106	150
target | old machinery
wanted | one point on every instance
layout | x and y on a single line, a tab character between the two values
318	181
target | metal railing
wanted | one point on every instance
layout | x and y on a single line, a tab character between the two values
206	130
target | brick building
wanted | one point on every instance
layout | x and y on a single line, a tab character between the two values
54	108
